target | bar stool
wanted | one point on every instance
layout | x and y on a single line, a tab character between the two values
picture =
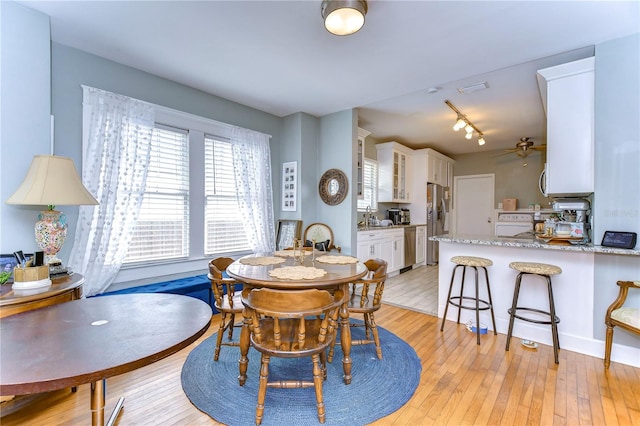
475	263
545	271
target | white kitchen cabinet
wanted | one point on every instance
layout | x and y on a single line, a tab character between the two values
397	251
439	168
385	244
394	169
362	134
369	245
421	244
568	97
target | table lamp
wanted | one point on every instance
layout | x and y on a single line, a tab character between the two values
51	181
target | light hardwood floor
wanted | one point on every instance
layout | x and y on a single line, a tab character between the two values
461	384
416	290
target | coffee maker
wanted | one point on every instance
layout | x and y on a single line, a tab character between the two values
395	216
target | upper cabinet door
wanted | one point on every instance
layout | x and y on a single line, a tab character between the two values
568	96
362	134
394	165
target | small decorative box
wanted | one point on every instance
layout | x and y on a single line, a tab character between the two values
33	277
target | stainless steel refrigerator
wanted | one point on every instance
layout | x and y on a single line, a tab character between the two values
437	219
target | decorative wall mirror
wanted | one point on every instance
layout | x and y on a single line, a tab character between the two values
333	187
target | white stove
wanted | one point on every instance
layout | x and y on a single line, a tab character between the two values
512	224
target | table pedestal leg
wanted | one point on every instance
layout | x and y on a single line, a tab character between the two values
345	339
98	392
244	348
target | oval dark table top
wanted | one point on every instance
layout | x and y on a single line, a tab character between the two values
259	275
87	340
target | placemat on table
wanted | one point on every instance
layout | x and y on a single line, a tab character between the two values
337	260
290	253
262	260
297	273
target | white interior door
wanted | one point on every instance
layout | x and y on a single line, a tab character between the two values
473	204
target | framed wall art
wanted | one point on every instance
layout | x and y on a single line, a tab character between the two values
287	231
289	186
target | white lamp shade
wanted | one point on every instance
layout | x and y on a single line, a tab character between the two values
52	180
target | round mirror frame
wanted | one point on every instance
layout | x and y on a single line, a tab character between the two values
325	182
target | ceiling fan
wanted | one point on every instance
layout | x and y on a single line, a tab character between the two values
524	148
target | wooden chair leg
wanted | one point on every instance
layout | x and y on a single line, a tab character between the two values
219	337
232	320
333	345
607	346
376	339
317	382
262	389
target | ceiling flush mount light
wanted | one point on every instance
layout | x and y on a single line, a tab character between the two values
469	127
343	17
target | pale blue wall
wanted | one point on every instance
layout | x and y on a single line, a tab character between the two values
25	124
72	68
617	171
338	136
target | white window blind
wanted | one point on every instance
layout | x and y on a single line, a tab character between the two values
369	186
162	230
224	231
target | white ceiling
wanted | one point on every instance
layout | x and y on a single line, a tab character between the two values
277	57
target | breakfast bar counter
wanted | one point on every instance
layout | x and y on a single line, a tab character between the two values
574	288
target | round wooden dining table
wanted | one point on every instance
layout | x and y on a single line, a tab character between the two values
89	340
338	276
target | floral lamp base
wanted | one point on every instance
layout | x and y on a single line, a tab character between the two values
51	231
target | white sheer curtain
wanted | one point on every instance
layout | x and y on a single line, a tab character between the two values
117	132
252	168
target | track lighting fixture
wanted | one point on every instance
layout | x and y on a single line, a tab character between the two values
463	121
459	124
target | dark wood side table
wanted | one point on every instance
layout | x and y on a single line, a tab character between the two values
62	289
89	340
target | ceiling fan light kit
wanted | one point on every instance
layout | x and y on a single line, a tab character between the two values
524	148
463	121
343	17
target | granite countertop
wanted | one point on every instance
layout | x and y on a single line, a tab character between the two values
531	243
375	228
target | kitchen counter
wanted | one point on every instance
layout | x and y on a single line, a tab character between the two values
575	290
375	228
532	243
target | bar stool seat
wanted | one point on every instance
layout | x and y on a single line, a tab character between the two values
545	271
458	301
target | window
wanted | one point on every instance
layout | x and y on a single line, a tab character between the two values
162	230
369	186
224	230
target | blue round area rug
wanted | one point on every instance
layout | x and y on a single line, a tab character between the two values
377	389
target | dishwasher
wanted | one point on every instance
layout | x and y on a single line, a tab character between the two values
409	248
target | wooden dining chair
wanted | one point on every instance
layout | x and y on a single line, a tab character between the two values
292	324
365	297
227	301
627	317
323	236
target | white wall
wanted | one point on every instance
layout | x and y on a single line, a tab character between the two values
616	204
25	111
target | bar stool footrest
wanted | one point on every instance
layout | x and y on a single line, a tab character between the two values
539	311
486	305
